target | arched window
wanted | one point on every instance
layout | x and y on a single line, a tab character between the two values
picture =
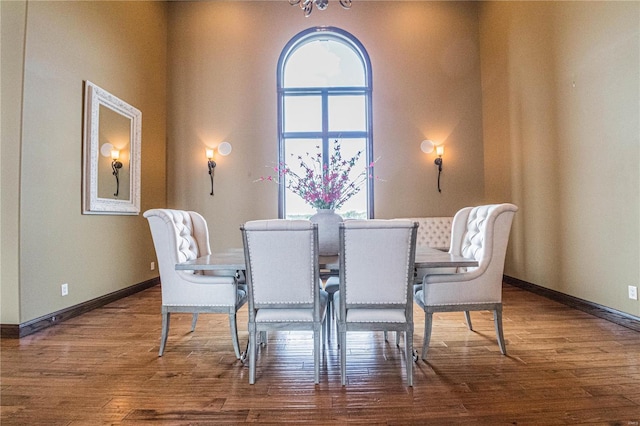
324	96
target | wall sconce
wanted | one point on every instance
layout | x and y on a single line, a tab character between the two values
116	166
438	162
224	149
212	166
428	147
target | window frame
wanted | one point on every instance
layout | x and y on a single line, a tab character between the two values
300	39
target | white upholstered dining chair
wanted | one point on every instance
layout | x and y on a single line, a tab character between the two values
376	282
282	274
179	236
479	233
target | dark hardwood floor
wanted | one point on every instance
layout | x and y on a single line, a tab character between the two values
563	366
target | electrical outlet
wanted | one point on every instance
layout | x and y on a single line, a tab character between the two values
153	266
633	292
64	289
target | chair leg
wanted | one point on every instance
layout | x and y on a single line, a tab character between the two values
408	349
165	331
398	338
234	333
328	319
253	353
467	317
497	319
342	339
316	351
428	322
385	335
325	332
194	320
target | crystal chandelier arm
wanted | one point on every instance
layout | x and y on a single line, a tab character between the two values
307	6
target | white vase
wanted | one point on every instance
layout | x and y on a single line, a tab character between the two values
328	228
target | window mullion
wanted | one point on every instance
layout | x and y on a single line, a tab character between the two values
325	127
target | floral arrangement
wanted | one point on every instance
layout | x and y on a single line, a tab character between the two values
323	186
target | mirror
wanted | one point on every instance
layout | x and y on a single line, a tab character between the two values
112	133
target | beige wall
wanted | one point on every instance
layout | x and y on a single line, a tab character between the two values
120	46
426	84
12	17
561	108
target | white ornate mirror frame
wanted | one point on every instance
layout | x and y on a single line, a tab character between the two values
94	202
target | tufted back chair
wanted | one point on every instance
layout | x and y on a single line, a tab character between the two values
480	233
179	236
192	234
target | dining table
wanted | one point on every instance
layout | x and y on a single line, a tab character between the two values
233	259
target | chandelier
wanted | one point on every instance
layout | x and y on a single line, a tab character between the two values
307	5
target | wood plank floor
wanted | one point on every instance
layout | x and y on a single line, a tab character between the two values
564	367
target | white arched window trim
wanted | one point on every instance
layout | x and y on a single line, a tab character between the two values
325	136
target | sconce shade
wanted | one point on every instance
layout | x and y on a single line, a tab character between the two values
209	153
224	149
427	146
106	148
440	150
115	154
